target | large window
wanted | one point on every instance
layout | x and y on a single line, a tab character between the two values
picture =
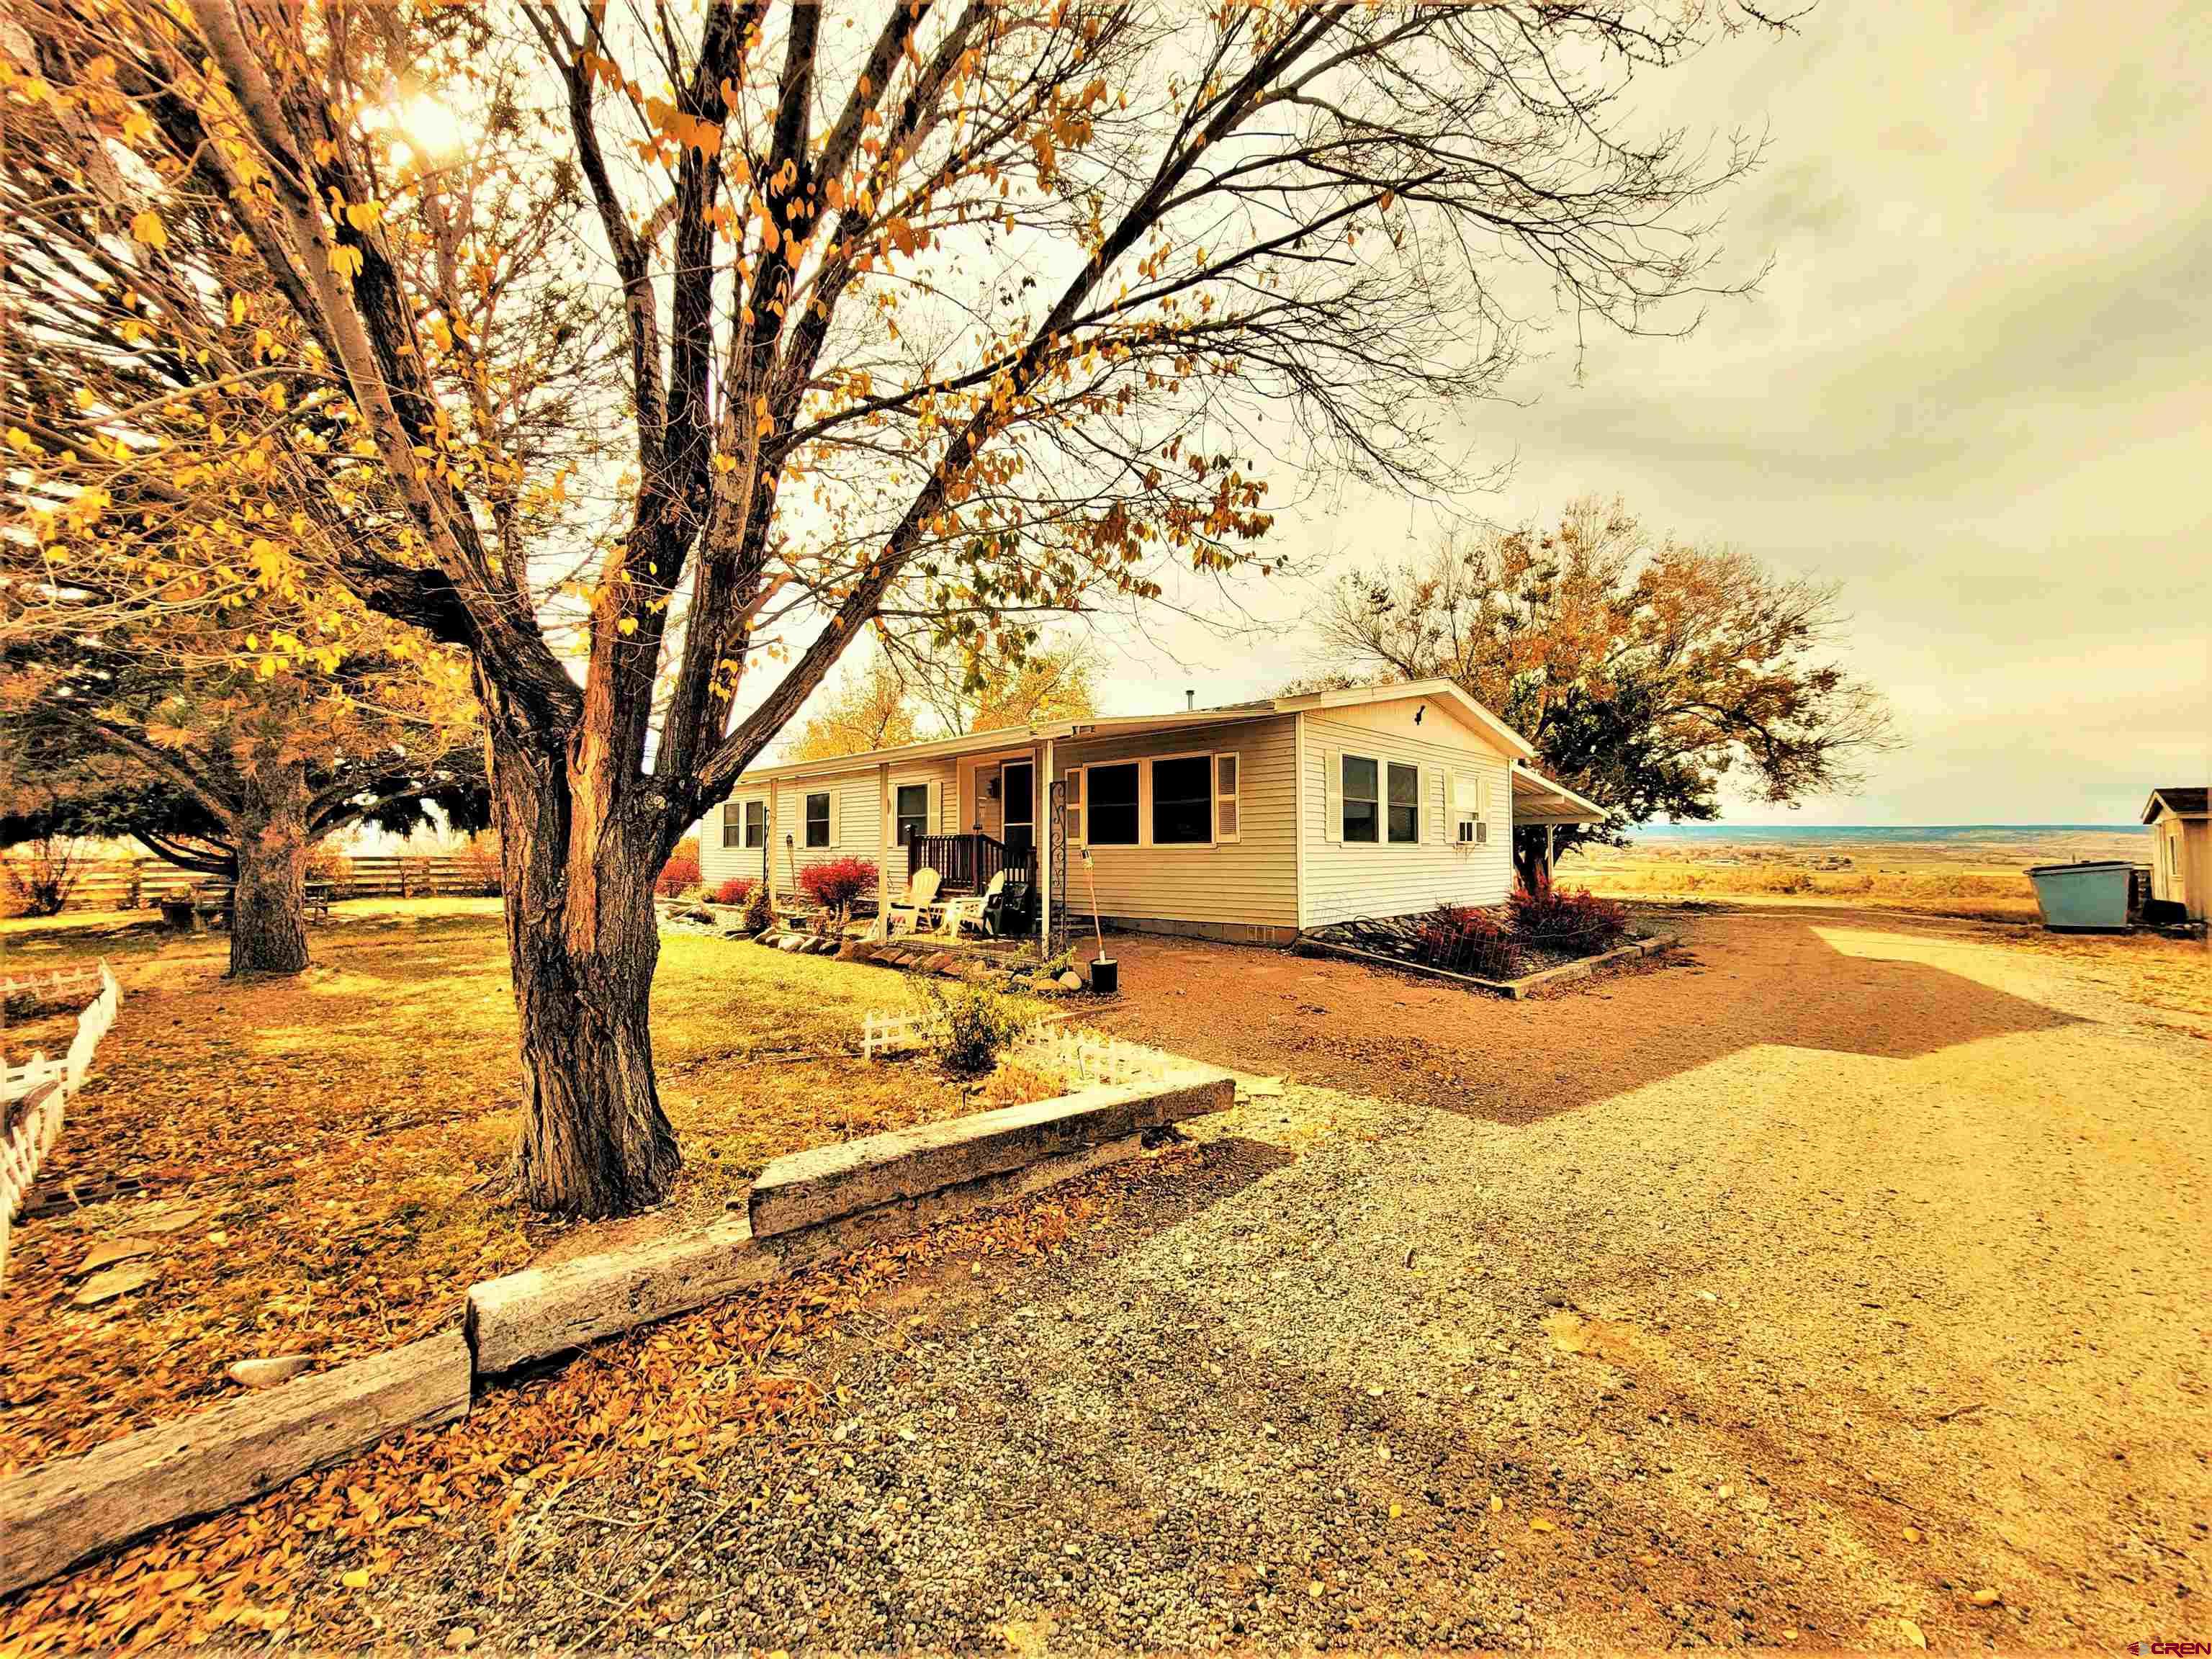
1113	809
913	807
1182	801
1405	802
817	818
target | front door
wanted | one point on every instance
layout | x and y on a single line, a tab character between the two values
1018	790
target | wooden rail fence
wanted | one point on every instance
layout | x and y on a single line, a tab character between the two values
136	884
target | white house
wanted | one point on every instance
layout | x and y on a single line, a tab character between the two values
1246	823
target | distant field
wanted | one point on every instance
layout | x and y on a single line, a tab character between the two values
1949	873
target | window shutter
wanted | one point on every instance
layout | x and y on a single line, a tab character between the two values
1228	782
836	817
1331	795
1072	793
937	822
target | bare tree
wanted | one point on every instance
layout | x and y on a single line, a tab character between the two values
973	305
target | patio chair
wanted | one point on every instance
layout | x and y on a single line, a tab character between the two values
920	900
1011	911
970	910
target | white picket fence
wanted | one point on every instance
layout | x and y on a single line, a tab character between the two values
1085	1057
31	1132
57	986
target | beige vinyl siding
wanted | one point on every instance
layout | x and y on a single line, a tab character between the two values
857	820
1381	878
1250	882
2181	861
718	863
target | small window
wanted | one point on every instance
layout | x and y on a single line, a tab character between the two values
817	818
1362	804
913	807
1224	797
745	823
1405	802
1112	812
1182	801
1467	820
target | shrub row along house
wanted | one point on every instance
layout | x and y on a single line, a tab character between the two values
1247	823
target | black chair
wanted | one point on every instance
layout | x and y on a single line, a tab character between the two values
1011	911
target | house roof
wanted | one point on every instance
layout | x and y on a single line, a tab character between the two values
978	743
2182	803
1539	799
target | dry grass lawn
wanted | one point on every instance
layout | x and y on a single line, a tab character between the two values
336	1144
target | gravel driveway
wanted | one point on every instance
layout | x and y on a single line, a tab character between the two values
1844	1288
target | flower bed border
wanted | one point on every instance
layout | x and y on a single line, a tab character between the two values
70	1509
1514	989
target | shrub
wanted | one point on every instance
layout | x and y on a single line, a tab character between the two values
682	870
329	865
738	889
974	1025
476	865
43	874
760	913
1558	916
1461	940
834	883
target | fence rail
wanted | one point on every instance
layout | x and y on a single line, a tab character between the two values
135	883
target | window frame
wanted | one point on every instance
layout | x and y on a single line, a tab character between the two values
1136	802
1345	797
806	800
742	806
1148	798
897	818
1391	769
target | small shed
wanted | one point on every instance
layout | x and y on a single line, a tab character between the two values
2181	848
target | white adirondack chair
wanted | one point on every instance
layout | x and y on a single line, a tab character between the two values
920	900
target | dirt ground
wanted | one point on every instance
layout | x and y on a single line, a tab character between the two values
1841	1285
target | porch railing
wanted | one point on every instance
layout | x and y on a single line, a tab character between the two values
966	863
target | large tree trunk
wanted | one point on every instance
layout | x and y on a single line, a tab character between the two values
583	942
268	914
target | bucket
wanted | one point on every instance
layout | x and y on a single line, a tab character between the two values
1105	976
2082	898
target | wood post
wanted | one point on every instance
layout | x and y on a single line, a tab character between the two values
1044	820
888	835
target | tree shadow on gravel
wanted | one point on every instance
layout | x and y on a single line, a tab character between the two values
1766	981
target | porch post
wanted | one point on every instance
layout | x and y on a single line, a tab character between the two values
1045	823
768	846
885	829
1548	829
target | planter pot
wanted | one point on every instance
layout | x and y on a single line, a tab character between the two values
1105	976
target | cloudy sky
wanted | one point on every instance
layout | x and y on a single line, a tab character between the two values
1975	389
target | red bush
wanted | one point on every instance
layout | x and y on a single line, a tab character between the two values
682	871
1462	939
834	883
1553	912
736	890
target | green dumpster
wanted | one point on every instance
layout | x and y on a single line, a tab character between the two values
2082	898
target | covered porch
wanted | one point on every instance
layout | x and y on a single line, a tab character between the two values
1538	799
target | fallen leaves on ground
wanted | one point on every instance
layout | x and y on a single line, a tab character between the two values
338	1142
651	1409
